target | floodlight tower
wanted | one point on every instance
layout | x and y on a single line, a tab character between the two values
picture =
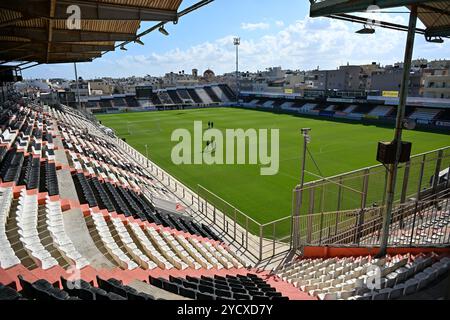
146	153
299	192
77	85
237	43
306	140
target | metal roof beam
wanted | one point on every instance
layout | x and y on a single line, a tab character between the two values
55	61
42	51
55	47
28	67
11	22
14	46
434	9
104	11
89	10
325	8
86	55
17	59
361	20
79	48
63	36
438	31
50	27
53	58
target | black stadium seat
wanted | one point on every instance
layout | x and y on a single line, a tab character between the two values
194	96
212	94
174	96
228	92
8	293
188	293
127	202
218	288
11	166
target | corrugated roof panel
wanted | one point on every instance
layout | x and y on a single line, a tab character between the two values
39	29
32	23
438	18
157	4
98	43
13	39
8	15
103	25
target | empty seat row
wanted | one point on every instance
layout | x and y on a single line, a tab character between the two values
77	289
130	246
119	256
417	280
31	172
55	226
351	278
11	166
51	180
9	294
150	248
8	257
84	190
27	221
249	287
127	202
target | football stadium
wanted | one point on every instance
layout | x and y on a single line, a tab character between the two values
229	188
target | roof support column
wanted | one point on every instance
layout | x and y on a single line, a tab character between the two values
393	168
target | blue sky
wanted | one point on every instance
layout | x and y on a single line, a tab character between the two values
273	33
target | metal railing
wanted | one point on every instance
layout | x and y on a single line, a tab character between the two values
416	223
365	188
259	240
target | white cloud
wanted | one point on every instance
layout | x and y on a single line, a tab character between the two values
255	26
279	24
304	44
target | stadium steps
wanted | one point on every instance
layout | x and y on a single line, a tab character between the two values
14	238
160	227
287	289
46	238
128	220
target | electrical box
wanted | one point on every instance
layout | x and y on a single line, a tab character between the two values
386	152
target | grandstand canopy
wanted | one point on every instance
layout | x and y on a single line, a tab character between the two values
37	30
435	15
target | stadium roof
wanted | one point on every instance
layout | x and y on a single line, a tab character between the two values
435	15
37	30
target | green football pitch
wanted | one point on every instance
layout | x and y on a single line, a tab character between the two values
337	147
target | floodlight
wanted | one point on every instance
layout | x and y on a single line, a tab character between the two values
434	39
366	30
139	41
163	31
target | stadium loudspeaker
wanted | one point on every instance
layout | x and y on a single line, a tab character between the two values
386	152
